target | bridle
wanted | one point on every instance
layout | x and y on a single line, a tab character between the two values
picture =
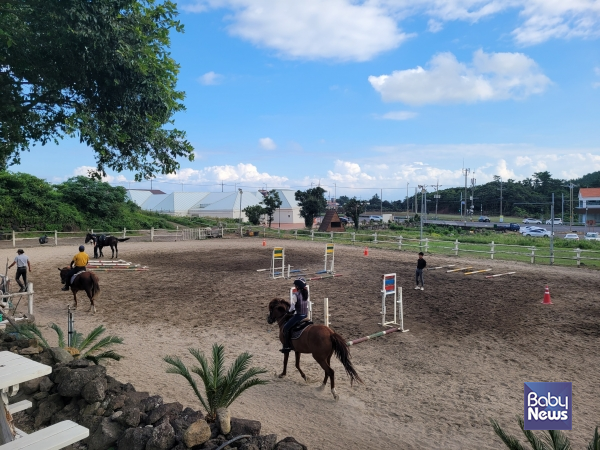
271	319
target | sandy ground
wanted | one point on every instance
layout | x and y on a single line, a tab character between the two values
472	343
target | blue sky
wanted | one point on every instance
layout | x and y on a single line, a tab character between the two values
367	95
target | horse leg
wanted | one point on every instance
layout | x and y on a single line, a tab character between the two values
74	297
116	250
298	366
88	291
323	362
285	361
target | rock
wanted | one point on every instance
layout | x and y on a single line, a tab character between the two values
80	364
106	435
135	439
130	416
47	408
91	423
25	343
248	446
91	410
44	358
30	387
214	443
150	403
116	402
30	350
94	390
262	442
60	355
41	395
197	433
135	399
163	438
289	443
180	446
69	412
182	422
224	420
45	384
168	409
9	338
116	415
244	426
71	382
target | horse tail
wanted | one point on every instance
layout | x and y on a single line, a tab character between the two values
123	239
342	352
95	286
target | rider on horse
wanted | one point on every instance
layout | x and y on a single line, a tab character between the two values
78	264
299	309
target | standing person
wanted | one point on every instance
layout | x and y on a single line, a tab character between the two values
22	262
421	263
299	308
80	260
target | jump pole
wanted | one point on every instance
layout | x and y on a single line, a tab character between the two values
374	335
457	270
478	271
325	276
441	267
326	311
500	274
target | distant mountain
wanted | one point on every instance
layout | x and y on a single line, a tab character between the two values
591	180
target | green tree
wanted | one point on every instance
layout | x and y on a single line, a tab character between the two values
81	347
271	202
354	208
253	213
99	70
221	388
550	440
312	202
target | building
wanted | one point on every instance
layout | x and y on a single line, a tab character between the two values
589	205
228	205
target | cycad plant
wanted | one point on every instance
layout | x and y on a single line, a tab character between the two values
550	440
221	389
81	347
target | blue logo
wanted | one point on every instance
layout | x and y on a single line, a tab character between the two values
548	406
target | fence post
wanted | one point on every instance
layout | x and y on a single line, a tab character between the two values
426	245
532	255
222	232
326	311
176	233
124	233
295	234
492	251
353	237
13	233
375	240
399	242
578	250
152	234
55	238
30	298
456	248
332	236
312	235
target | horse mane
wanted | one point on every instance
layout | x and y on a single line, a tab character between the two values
279	302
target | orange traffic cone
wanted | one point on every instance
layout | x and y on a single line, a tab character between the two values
366	252
547	300
264	242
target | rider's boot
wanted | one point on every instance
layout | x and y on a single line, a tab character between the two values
65	288
287	345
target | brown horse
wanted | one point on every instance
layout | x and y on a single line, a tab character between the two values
85	281
319	340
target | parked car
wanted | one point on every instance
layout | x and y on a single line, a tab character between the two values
531	227
530	220
376	218
572	236
556	222
344	220
538	232
592	236
509	227
484	219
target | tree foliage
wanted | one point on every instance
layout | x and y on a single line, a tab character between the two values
271	202
253	213
221	388
354	208
100	70
312	203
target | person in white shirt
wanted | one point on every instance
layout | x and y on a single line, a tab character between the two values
22	262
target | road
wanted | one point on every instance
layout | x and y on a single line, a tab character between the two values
558	229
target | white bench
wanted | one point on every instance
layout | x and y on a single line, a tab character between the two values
54	437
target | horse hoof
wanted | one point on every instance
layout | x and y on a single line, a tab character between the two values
281	375
321	388
335	396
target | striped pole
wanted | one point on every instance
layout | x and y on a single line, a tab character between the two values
477	271
500	274
325	276
373	336
457	270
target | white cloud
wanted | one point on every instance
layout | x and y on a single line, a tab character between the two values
240	173
86	170
210	79
399	115
267	143
490	76
434	26
341	30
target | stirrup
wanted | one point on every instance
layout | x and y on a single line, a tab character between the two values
66	288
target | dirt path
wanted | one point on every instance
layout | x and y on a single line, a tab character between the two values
471	345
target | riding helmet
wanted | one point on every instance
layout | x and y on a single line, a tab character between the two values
300	283
81	248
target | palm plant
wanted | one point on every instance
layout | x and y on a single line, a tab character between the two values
221	389
81	347
550	440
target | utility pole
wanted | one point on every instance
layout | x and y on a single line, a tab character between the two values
501	217
473	180
407	200
416	206
562	211
465	173
381	203
571	186
423	209
552	231
437	197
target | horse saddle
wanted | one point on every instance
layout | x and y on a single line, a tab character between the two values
75	276
300	327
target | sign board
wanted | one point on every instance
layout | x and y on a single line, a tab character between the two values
591	222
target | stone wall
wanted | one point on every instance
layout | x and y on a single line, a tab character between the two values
119	417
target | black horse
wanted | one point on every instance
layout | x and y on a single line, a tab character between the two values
104	241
